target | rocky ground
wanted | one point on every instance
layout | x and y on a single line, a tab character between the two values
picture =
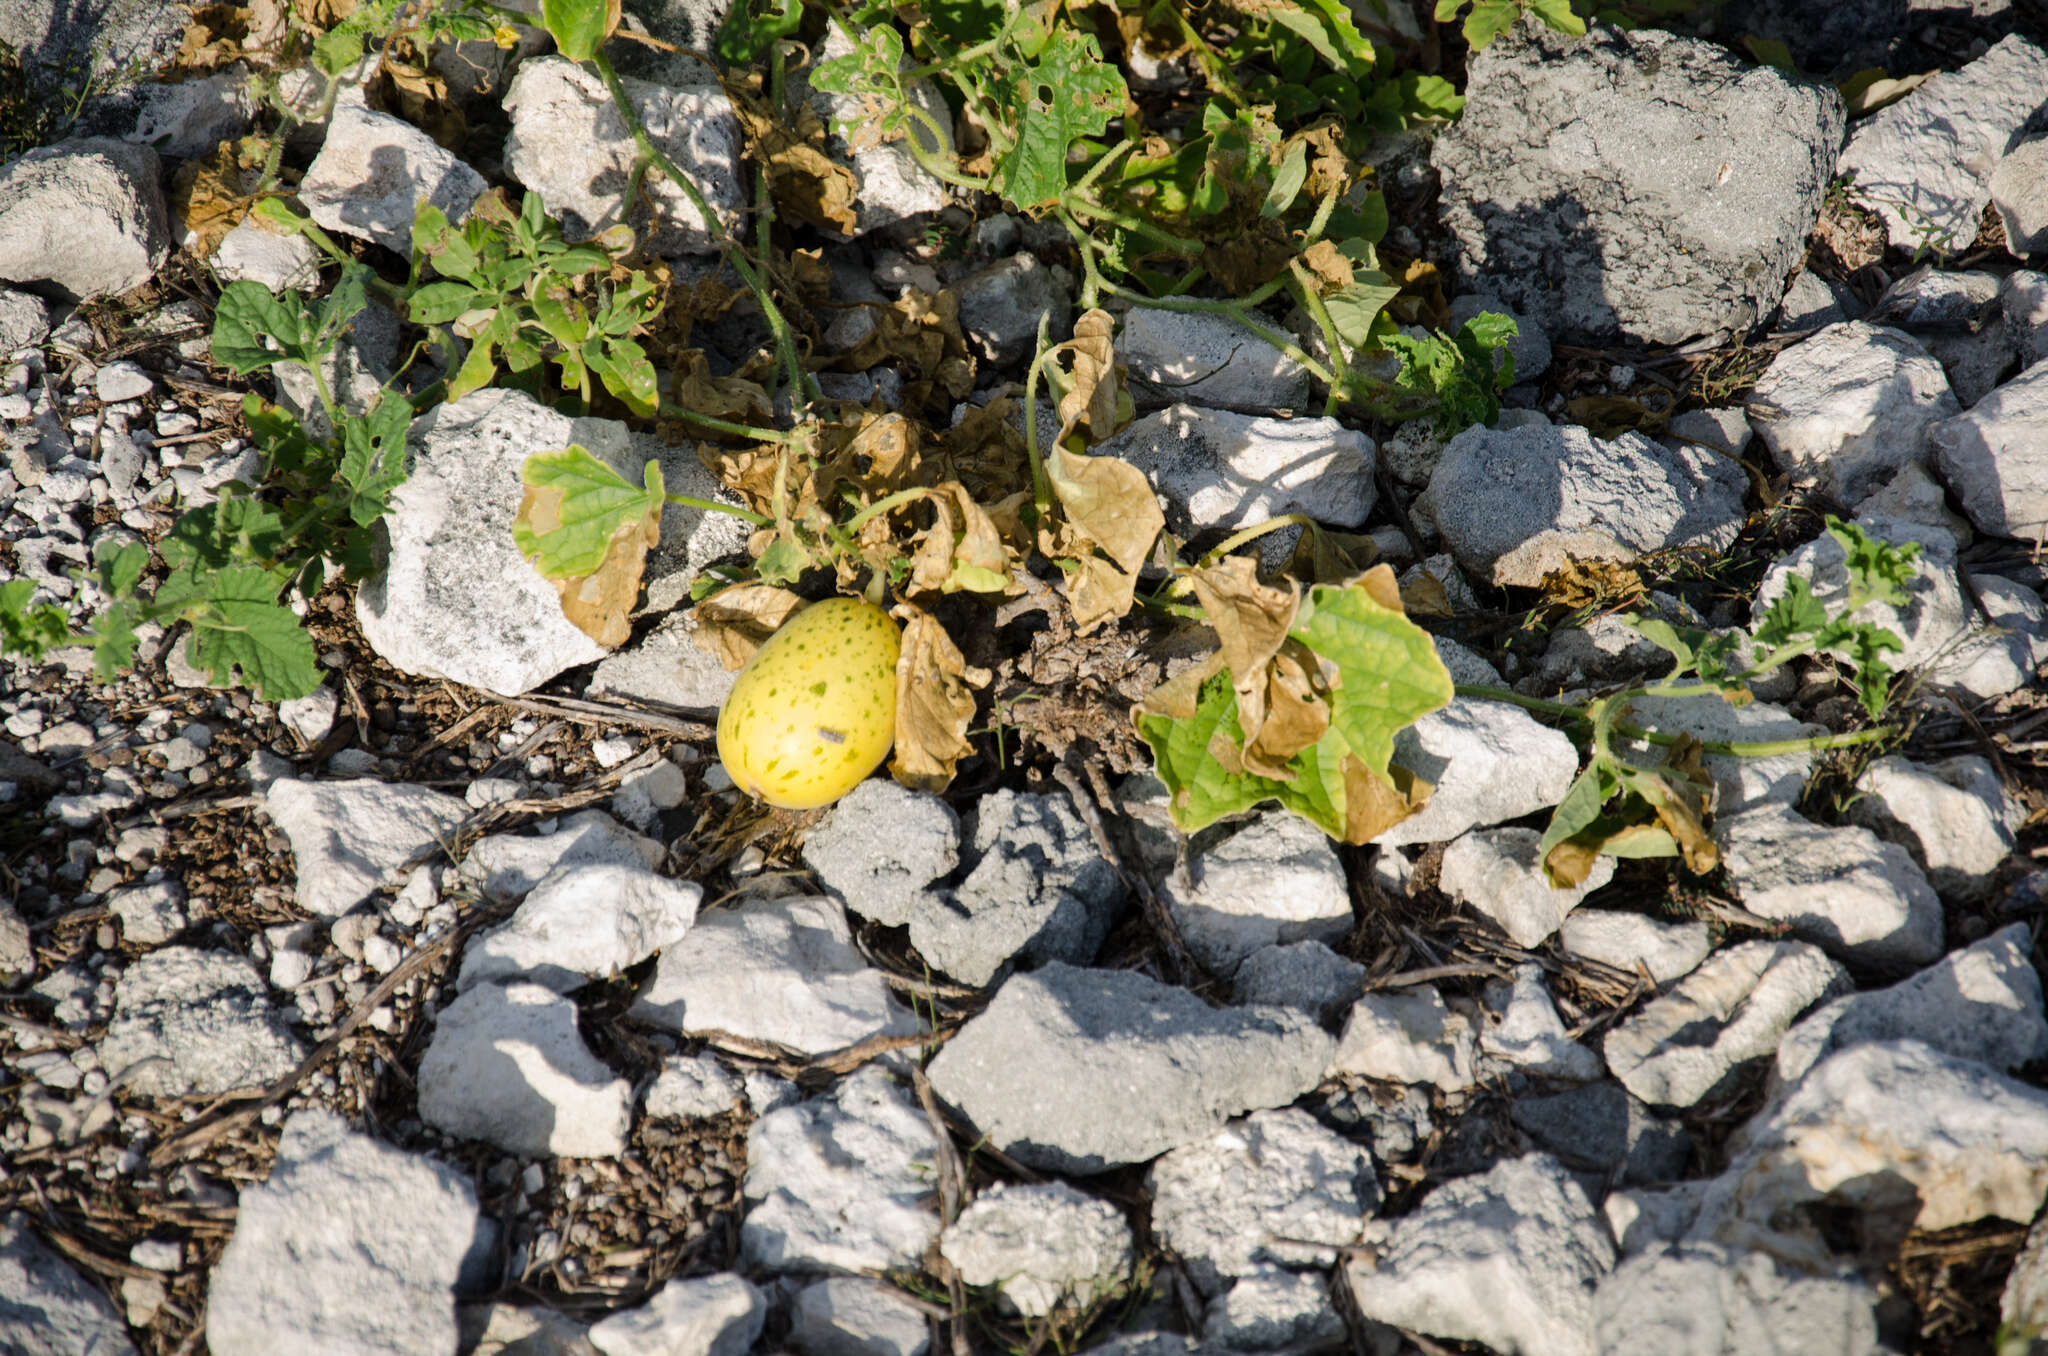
465	1006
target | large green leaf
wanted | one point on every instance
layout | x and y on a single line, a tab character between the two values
373	457
241	626
30	632
1389	675
246	314
579	27
1201	788
575	504
1069	93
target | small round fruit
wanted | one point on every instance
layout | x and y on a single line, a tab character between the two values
814	711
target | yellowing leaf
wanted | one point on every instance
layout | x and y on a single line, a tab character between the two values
1095	382
729	398
962	549
588	531
805	182
934	706
735	622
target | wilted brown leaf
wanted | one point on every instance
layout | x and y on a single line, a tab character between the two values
1287	710
211	196
805	182
1244	259
1593	583
409	87
919	332
1250	619
730	398
1331	266
735	622
1612	416
1426	596
1180	696
1327	556
1095	381
598	603
1372	805
1680	797
934	706
1110	501
962	549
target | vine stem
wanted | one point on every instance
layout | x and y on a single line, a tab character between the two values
1253	533
712	506
765	435
1664	739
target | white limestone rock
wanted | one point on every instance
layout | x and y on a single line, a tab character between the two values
1041	1245
47	1308
1841	888
692	1088
1408	1036
582	922
1992	457
507	1066
1954	817
1498	873
1622	940
1488	761
351	838
191	1022
881	845
372	172
890	185
1206	359
854	1316
507	866
1275	880
1700	1299
704	1316
84	216
1529	1034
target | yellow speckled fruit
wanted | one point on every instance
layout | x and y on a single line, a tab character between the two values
814	711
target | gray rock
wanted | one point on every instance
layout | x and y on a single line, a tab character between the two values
1740	783
1488	761
1824	36
1041	1244
1529	1033
122	380
1513	504
1809	304
842	1182
277	261
720	976
665	669
1642	1219
507	866
309	717
455	598
1975	362
1075	1070
1498	873
370	1238
705	1316
188	1021
374	169
48	1309
187	120
1274	1310
1557	211
881	845
83	218
1217	471
1847	408
1408	1036
2024	1305
1991	457
351	838
1954	817
2019	190
1622	940
111	43
1935	299
24	320
1600	1128
1841	888
585	921
1982	1003
1305	975
1000	307
1724	429
2024	297
1206	359
507	1066
569	144
507	1330
1682	1045
1272	1189
854	1316
1702	1300
692	1088
890	185
1923	164
1037	889
150	914
1510	1258
1937	1141
1276	880
17	951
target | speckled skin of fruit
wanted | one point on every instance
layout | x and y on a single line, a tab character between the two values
814	711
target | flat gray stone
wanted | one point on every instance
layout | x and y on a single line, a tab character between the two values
2019	190
854	1316
372	172
704	1316
258	255
1509	1258
349	1245
83	218
1557	210
665	669
1514	504
1840	888
1666	950
1529	1034
582	922
1000	307
1274	1310
881	845
1305	975
1408	1036
842	1182
1041	1245
1981	1003
691	1088
1600	1128
456	600
24	320
1274	1188
569	144
1681	1045
351	838
506	866
1076	1070
190	1022
2024	298
1701	1298
782	970
1992	457
48	1309
1488	762
507	1065
1209	360
1498	873
1276	880
150	914
1924	163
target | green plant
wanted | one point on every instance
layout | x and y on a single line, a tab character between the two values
1489	19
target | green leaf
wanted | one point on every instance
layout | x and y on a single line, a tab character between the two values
476	371
373	457
1389	675
577	260
1558	14
233	530
30	632
1068	94
1354	306
1579	809
242	627
1770	52
1287	181
627	372
869	75
1878	571
338	49
119	565
1488	20
245	314
1202	791
752	27
1794	614
594	502
351	293
114	639
438	303
579	27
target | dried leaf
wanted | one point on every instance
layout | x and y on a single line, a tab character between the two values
1179	697
1594	583
729	398
1110	501
919	332
1289	710
1333	270
589	532
1096	380
409	87
735	622
1327	556
1425	596
1250	619
1373	805
933	704
805	182
962	549
211	196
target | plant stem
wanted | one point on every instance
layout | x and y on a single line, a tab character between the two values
712	506
884	505
765	435
1253	533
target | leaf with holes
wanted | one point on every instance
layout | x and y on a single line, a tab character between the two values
1069	93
